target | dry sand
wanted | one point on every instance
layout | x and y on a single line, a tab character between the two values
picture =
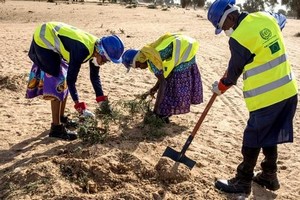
128	165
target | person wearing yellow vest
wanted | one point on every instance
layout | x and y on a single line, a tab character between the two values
58	50
269	88
172	59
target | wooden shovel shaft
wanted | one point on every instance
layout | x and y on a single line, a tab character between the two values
203	115
180	156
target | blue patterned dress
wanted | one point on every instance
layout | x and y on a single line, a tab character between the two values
183	87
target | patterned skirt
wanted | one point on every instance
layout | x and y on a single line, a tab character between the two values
183	89
47	86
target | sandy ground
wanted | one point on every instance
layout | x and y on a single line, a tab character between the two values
128	165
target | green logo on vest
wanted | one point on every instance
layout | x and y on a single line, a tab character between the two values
265	34
274	47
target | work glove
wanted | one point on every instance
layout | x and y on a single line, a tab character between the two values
104	105
219	88
81	107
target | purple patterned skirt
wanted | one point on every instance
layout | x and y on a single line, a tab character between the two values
183	89
46	85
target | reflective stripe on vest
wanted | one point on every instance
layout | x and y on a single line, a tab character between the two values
177	51
268	78
271	86
56	46
184	49
265	67
46	36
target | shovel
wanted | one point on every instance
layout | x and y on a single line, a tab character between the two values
180	156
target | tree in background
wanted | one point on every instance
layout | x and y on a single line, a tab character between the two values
194	3
258	5
294	6
200	3
253	5
282	11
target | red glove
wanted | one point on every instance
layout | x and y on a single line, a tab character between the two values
104	104
219	88
101	98
222	87
80	107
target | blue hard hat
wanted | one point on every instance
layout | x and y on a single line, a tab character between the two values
111	47
128	58
216	11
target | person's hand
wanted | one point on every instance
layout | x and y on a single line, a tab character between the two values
81	107
104	105
215	88
151	92
101	99
88	113
219	88
145	95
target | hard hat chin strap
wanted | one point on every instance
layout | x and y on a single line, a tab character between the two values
134	59
106	55
224	16
101	50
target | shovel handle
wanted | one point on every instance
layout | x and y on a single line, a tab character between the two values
203	115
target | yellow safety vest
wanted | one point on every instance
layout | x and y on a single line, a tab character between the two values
268	79
184	49
46	36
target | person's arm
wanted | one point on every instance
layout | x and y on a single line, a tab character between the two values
80	106
95	78
240	56
159	86
72	74
101	99
154	89
78	53
161	82
158	73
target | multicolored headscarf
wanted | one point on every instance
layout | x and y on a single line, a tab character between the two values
148	52
100	49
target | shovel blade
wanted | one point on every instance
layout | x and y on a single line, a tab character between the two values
178	157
